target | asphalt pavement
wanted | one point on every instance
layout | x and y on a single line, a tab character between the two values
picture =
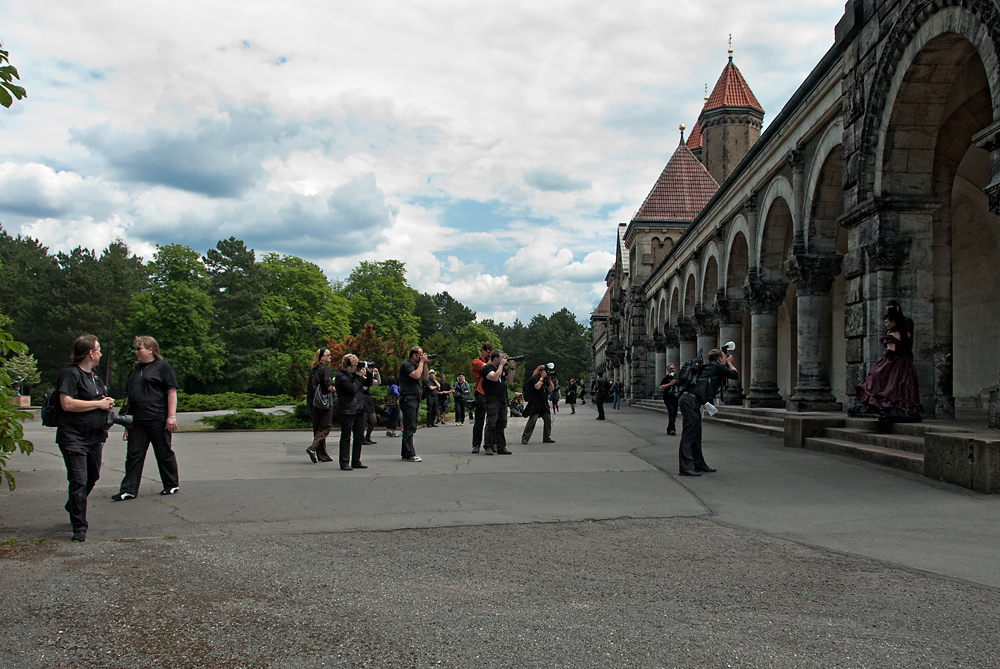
587	552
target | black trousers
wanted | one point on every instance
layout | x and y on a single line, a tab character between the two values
432	405
409	405
459	410
477	426
140	436
671	403
83	469
496	423
529	427
600	406
689	454
351	424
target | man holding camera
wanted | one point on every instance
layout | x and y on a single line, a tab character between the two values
536	392
479	420
412	371
719	367
495	376
152	402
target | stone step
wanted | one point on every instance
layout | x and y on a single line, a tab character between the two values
758	428
751	417
860	435
888	457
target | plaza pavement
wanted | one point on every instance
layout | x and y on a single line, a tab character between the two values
600	493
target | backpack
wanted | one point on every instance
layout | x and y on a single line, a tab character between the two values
690	371
51	409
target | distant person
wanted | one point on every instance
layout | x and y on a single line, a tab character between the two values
891	391
461	391
320	376
616	390
82	429
391	407
443	394
372	378
536	391
571	391
350	384
601	389
152	403
554	396
706	387
671	394
411	372
431	389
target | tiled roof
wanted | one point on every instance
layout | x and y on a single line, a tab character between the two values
694	141
731	91
604	308
622	248
681	192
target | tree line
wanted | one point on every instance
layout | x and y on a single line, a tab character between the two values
230	322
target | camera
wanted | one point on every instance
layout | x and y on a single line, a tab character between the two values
515	358
550	370
431	356
728	348
123	419
365	364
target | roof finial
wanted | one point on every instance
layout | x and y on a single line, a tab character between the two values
706	92
730	47
681	126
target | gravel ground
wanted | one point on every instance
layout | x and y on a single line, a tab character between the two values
674	592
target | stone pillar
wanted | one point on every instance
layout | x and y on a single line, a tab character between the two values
989	140
764	298
813	276
708	330
688	346
659	363
673	356
796	160
731	329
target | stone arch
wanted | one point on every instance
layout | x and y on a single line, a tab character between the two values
820	185
737	229
777	224
661	320
690	295
977	21
675	302
710	280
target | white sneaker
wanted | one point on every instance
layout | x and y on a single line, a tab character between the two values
415	458
169	491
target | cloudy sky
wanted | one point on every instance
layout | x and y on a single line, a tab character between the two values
492	148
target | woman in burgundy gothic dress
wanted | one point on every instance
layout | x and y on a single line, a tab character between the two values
891	392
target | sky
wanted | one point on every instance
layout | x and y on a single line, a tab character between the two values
493	148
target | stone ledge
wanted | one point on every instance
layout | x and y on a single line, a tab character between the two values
968	460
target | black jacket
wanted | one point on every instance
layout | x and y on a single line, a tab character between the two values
711	379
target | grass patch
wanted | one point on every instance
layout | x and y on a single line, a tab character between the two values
248	419
230	401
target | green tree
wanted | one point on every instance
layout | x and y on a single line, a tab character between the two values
378	294
471	338
125	273
22	370
8	73
559	339
11	417
239	286
177	311
440	313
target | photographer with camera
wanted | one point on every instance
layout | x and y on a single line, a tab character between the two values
152	403
83	427
431	390
412	371
479	420
350	384
706	387
536	391
372	378
495	376
461	391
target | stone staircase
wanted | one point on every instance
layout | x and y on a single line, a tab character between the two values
898	445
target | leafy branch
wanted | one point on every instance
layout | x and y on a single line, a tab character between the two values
8	89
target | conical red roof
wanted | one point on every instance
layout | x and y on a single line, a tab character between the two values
731	91
604	308
694	141
681	192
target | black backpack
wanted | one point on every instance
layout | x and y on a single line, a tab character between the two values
51	409
690	371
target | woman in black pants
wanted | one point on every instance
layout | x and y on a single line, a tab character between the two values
350	384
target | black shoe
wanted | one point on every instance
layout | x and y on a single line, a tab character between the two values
548	441
489	451
475	449
170	491
706	470
504	451
358	465
312	455
368	442
671	433
346	468
122	496
80	536
691	473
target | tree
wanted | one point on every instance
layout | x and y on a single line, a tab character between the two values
471	338
22	370
11	417
239	286
440	313
177	311
8	73
385	352
378	294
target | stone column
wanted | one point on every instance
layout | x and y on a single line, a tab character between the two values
659	363
813	276
731	329
687	333
796	160
673	345
708	329
764	298
989	140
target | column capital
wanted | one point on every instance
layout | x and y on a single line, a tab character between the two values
686	330
705	321
750	203
730	312
671	338
993	193
813	274
887	253
764	297
796	159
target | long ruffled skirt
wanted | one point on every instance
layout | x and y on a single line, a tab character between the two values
890	392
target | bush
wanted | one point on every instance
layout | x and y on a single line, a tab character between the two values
248	419
230	401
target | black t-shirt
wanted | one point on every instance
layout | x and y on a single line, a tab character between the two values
672	391
443	398
87	426
147	386
407	384
535	400
495	391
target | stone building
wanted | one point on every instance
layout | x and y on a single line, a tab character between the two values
878	180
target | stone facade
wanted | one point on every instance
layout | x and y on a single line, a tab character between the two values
879	180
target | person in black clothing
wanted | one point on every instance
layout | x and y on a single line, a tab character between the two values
495	375
461	391
571	391
152	402
536	391
671	393
719	367
372	378
479	418
350	384
322	419
601	388
411	372
432	389
443	392
82	427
